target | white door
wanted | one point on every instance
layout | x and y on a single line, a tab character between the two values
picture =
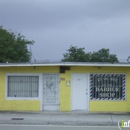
79	93
50	92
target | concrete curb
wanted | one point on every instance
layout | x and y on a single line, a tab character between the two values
63	118
72	123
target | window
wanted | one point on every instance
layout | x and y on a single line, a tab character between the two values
22	86
107	86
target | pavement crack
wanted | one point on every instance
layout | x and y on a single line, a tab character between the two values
112	119
50	119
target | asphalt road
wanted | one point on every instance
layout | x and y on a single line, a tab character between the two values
55	127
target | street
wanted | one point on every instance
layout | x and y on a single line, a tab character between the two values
56	127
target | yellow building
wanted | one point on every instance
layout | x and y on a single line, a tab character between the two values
65	86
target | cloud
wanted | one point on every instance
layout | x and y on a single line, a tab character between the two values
57	24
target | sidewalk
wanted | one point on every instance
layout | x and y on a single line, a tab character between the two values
62	118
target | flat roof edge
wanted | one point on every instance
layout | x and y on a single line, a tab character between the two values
65	64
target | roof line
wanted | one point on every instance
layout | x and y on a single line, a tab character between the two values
66	64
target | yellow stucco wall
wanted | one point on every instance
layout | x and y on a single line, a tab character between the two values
95	106
20	105
64	91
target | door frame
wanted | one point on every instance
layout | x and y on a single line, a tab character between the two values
58	91
88	96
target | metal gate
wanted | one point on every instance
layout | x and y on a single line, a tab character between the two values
50	92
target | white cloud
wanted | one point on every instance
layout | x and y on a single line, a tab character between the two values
57	24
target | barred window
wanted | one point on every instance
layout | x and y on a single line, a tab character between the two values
23	86
107	86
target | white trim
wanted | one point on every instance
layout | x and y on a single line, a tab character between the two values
40	90
66	64
71	90
22	98
88	98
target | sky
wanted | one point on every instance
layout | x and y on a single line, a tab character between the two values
55	25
